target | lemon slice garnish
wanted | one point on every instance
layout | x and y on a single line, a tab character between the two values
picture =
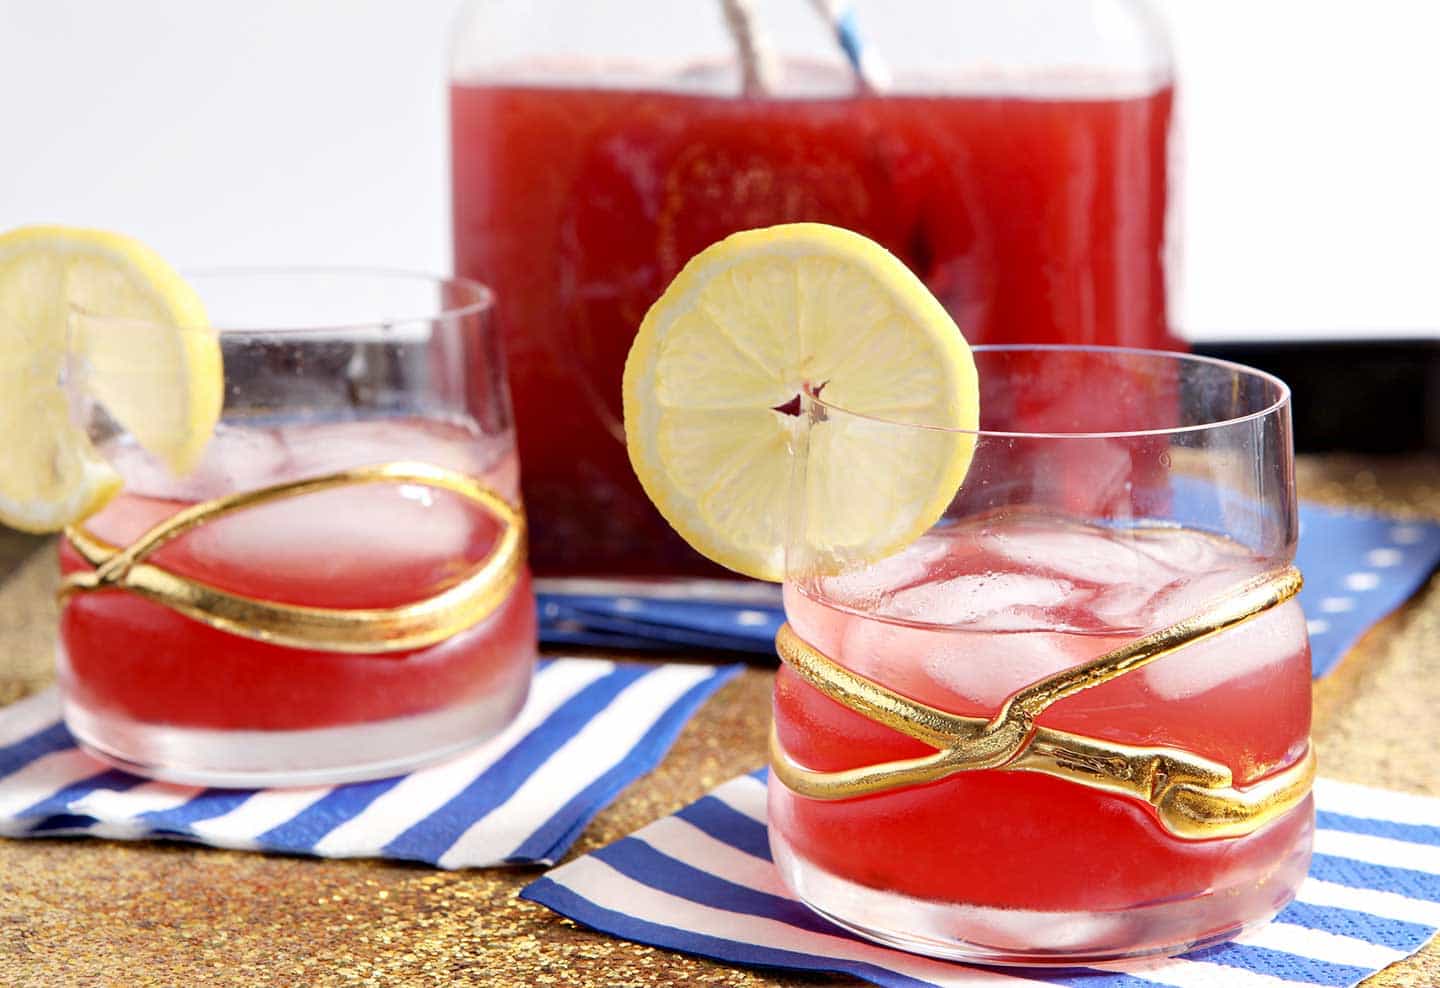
712	380
136	337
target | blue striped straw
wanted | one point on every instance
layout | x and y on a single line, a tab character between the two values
840	16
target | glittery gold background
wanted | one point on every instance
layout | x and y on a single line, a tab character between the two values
98	913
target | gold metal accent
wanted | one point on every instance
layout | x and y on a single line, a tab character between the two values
473	598
1194	797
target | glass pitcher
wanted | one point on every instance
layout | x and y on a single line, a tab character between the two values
1014	155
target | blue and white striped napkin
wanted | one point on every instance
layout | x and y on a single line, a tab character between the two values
1358	568
590	728
702	882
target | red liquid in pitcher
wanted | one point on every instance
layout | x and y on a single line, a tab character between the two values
1032	220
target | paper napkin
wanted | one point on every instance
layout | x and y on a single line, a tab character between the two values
702	882
589	729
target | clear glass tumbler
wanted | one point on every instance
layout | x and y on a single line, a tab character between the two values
339	590
1071	722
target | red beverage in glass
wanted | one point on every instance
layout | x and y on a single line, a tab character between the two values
973	613
140	671
1032	219
1070	722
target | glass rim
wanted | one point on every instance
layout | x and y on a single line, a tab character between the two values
481	299
1175	356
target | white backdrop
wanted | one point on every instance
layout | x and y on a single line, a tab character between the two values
314	131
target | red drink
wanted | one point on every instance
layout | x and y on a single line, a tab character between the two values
1022	862
145	677
1036	220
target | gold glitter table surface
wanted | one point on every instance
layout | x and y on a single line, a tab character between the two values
140	914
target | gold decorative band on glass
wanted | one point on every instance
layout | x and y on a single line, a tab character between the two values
474	597
1195	798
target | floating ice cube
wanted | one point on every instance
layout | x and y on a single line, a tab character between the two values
325	446
242	457
866	588
452	445
1197	591
987	668
335	533
236	458
1089	555
945	666
1183	550
996	601
973	613
1126	606
1242	651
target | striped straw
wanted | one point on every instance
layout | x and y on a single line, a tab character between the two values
840	16
757	60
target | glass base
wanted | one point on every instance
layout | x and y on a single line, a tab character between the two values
322	756
1031	938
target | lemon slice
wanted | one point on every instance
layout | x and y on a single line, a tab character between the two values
108	310
712	380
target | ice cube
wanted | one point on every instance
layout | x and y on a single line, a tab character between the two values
1088	555
348	533
1126	606
1183	550
866	588
987	668
1242	651
236	458
1195	592
968	672
994	601
327	446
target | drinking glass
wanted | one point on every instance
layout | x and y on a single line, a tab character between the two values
339	590
1071	721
